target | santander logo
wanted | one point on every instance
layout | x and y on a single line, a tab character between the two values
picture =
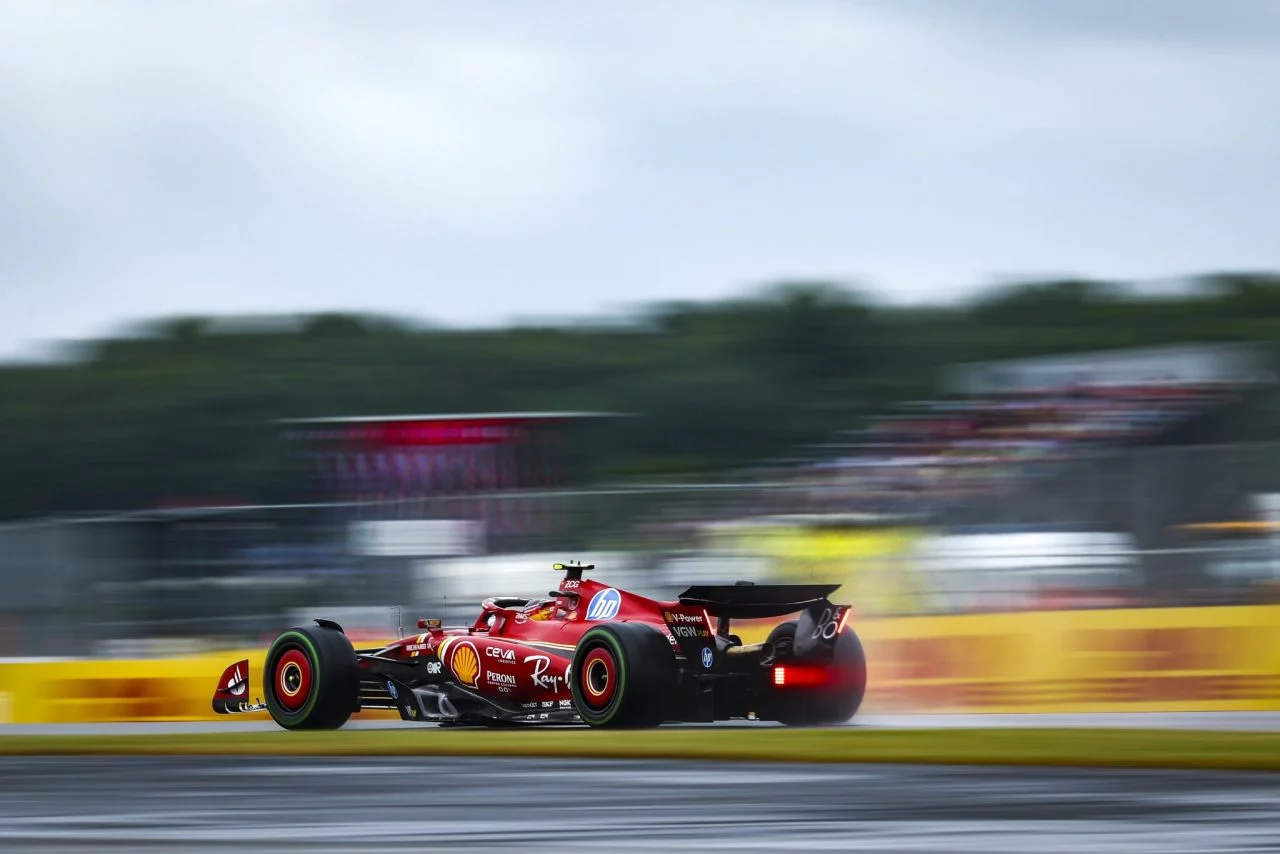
235	683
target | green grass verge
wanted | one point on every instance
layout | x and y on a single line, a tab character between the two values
1046	747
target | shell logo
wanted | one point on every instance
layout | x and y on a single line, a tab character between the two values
465	664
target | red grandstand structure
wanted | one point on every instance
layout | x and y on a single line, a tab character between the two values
489	466
390	457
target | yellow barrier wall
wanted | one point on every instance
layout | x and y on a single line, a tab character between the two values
114	690
1186	659
1183	659
92	690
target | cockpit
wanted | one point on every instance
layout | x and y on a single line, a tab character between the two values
497	610
557	606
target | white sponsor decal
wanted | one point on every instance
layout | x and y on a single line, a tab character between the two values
236	684
433	668
827	624
501	679
419	647
541	664
500	653
684	618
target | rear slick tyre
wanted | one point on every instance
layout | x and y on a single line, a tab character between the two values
621	676
823	706
311	678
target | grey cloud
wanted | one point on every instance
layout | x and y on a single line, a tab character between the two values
1195	22
470	162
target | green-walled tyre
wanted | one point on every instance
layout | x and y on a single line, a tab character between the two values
621	676
311	678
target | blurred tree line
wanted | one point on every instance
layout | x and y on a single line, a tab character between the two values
184	409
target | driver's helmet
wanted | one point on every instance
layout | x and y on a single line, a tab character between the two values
543	609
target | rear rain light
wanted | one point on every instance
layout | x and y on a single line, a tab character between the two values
802	675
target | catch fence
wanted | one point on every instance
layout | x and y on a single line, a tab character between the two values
1154	526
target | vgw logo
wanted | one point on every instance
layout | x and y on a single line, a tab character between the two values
604	605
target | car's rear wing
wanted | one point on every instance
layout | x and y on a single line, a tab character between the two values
757	601
819	624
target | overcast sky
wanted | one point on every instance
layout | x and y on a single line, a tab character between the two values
474	161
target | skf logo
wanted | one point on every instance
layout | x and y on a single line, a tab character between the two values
464	661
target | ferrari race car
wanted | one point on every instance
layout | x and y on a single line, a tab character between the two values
589	653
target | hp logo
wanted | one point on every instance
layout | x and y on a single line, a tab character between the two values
604	605
707	657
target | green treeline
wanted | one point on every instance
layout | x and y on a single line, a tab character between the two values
184	411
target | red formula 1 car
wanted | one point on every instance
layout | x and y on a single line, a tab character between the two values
589	653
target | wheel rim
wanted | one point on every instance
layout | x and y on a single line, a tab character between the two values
598	678
292	679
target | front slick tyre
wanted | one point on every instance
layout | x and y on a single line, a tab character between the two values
312	678
621	676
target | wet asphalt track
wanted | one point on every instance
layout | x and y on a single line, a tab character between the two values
55	805
1226	721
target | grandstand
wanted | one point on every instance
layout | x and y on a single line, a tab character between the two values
495	479
372	459
1132	443
998	424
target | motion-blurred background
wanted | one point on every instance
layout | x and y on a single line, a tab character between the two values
317	312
